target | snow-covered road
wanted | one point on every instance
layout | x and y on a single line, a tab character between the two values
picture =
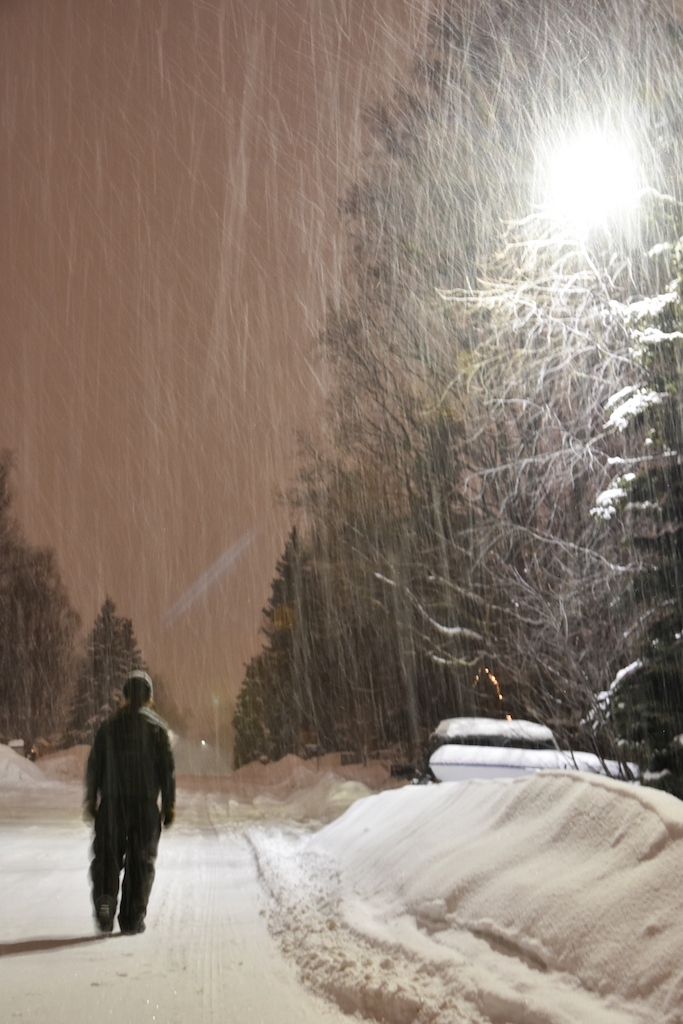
206	955
553	899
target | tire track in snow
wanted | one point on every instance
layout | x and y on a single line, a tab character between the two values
206	956
379	981
211	899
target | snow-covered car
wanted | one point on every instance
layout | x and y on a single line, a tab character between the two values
491	748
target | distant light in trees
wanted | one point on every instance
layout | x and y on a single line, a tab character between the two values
492	679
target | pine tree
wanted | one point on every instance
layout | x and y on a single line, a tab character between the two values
111	652
269	715
646	707
38	629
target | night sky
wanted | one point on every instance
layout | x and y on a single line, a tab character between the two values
169	179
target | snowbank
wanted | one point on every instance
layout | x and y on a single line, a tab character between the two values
16	771
291	773
289	789
548	900
553	899
314	791
65	765
325	800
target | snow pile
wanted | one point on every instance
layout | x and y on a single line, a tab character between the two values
16	771
323	801
548	900
277	779
318	790
286	790
289	789
282	778
314	791
65	765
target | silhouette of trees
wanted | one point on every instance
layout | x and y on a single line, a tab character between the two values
111	652
38	631
454	563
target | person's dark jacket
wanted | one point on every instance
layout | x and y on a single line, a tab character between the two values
131	763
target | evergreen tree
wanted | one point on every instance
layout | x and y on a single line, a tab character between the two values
335	672
111	652
645	708
269	715
38	628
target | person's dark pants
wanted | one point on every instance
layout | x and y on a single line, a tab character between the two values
125	839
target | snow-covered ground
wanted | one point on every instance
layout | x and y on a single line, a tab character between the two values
546	900
207	955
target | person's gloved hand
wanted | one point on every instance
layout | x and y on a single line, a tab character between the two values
169	815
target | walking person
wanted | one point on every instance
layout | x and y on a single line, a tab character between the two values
130	766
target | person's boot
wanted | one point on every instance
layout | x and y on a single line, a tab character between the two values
105	909
132	928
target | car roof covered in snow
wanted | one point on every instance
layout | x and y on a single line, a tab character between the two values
518	728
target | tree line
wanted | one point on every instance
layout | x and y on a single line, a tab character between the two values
490	520
55	687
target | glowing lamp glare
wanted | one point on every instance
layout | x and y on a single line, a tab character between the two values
593	178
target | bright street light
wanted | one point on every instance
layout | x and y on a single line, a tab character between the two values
592	178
